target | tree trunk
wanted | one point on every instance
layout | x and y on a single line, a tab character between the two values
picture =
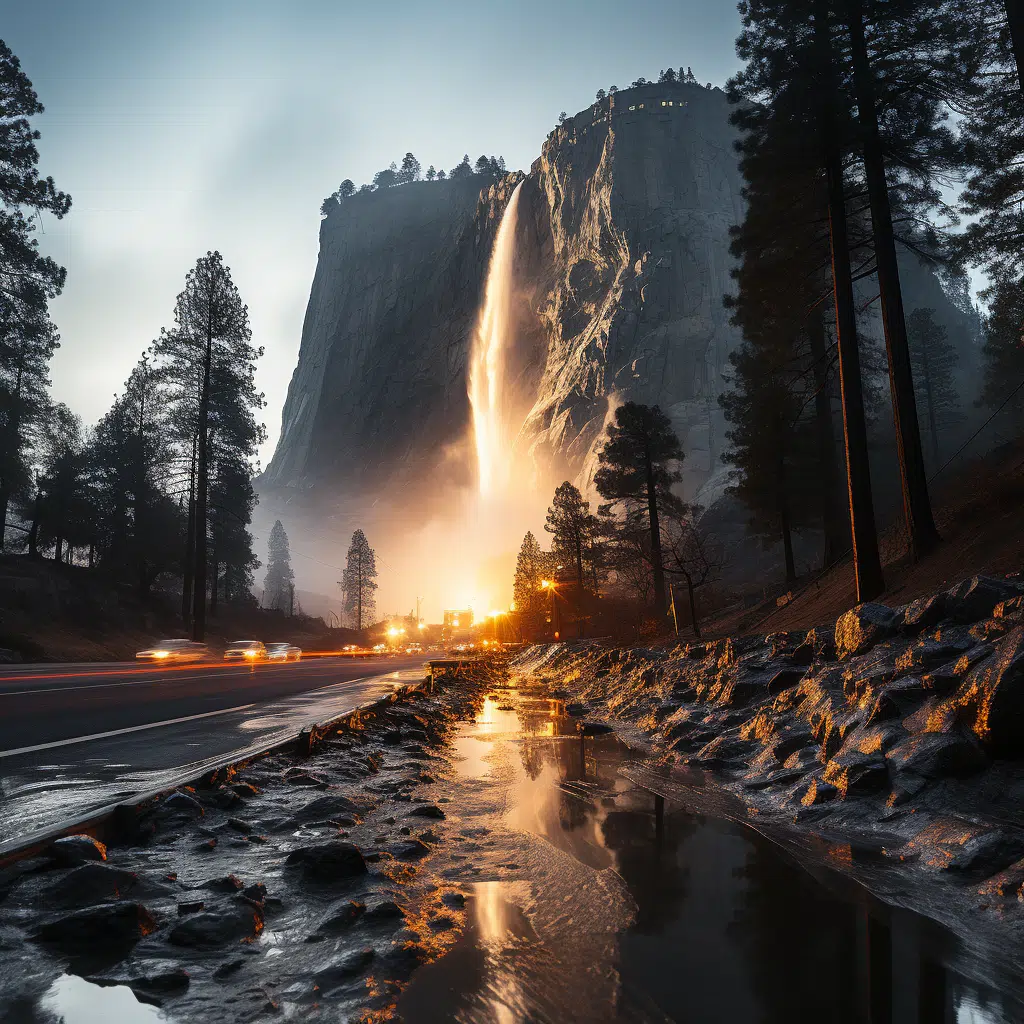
929	398
202	492
693	604
831	520
784	523
213	587
58	550
1015	20
190	534
658	570
5	501
867	567
921	533
33	533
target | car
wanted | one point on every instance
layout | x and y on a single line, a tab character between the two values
245	650
167	651
284	652
414	649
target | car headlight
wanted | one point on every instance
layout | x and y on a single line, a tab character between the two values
250	654
160	654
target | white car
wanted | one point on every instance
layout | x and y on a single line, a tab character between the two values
246	650
283	652
166	651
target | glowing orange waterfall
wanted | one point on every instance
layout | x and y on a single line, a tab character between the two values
487	362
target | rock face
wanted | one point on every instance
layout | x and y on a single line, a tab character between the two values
621	264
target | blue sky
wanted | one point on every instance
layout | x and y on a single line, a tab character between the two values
179	128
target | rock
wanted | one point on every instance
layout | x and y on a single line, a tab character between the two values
594	728
327	862
898	699
342	916
951	845
411	849
935	755
330	807
238	825
228	968
211	929
192	907
78	850
816	791
184	803
994	690
155	988
923	613
428	811
575	709
88	884
301	777
784	678
255	893
99	929
386	910
340	974
856	774
455	900
863	626
788	740
977	597
229	883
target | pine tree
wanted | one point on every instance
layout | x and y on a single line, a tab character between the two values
65	508
1004	357
530	569
208	365
934	362
359	581
27	280
278	584
572	526
639	463
409	171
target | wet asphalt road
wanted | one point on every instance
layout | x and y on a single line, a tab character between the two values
75	738
42	704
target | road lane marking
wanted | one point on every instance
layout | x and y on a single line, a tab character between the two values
119	732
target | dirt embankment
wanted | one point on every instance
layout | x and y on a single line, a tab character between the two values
900	729
977	512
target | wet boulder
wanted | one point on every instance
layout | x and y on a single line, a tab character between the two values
955	845
936	755
815	791
210	929
922	614
330	807
994	690
87	885
411	849
342	916
386	910
182	803
977	597
78	850
327	862
863	626
97	930
898	699
789	740
856	774
428	811
344	971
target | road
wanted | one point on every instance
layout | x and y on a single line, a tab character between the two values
78	737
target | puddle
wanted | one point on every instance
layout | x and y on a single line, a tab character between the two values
603	918
73	1000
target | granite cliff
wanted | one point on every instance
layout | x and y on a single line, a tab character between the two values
621	265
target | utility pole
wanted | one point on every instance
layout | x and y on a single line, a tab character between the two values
291	600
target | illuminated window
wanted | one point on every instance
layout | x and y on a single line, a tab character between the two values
633	107
663	103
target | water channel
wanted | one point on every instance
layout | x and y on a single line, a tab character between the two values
608	918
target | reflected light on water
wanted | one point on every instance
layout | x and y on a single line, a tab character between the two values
493	920
76	1001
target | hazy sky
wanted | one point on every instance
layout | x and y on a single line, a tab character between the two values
183	127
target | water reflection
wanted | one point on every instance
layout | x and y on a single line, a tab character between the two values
73	1000
727	928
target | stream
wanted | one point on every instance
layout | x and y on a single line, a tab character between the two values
585	910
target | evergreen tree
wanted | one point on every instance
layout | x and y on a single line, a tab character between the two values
359	581
346	190
278	584
1004	356
462	170
27	280
530	569
409	171
572	526
483	165
65	514
934	362
386	178
208	364
639	463
431	173
441	175
130	460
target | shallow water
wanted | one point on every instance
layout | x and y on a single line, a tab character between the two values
604	917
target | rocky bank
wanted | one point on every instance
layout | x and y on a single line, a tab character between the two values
899	731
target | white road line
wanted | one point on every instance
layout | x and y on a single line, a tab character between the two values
119	732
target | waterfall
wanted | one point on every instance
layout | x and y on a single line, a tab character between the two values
487	362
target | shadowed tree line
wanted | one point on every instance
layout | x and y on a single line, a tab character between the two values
412	170
160	490
855	116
